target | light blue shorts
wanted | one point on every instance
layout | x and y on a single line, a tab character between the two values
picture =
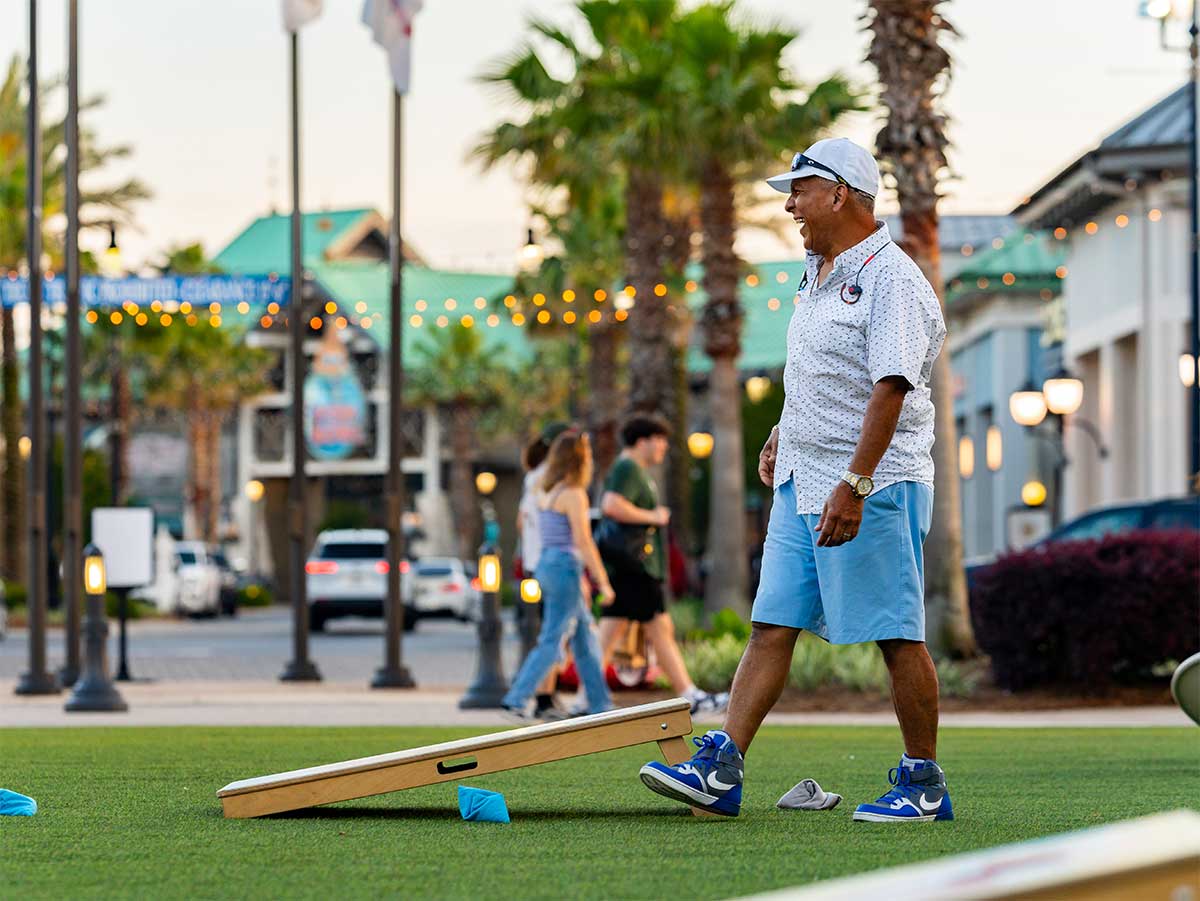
869	589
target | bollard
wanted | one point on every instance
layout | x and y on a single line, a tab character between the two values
94	691
489	687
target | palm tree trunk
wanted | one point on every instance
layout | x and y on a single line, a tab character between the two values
651	385
462	482
728	567
121	413
213	477
945	578
13	561
196	485
604	393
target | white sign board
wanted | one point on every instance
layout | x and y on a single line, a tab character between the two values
125	535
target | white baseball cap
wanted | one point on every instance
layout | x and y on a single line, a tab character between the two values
837	159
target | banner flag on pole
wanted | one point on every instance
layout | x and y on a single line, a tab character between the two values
390	22
298	13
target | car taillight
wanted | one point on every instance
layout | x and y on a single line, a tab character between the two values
405	566
477	584
320	567
451	586
382	567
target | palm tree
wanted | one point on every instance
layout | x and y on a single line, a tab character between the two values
743	110
455	373
98	206
913	69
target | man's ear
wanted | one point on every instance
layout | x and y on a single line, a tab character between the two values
838	203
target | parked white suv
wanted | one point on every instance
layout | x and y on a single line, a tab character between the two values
441	586
197	580
346	575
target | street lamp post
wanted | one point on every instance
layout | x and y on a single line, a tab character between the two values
489	687
37	680
95	691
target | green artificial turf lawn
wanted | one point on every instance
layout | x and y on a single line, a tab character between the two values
133	812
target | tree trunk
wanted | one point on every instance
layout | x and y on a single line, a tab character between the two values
462	483
197	486
651	383
121	414
728	567
213	477
13	561
604	393
945	580
677	249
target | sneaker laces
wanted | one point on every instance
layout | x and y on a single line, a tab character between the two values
901	780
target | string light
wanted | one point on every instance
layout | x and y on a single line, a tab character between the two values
467	321
340	322
599	295
185	308
982	283
1122	221
1061	271
1008	278
660	290
543	316
191	319
214	321
480	303
421	306
360	307
629	291
539	299
690	286
1154	215
569	296
594	317
273	308
366	322
141	319
773	304
442	322
510	301
518	319
265	322
569	317
752	280
966	250
451	304
316	322
1060	233
92	317
165	319
415	321
116	317
243	308
330	307
493	320
156	307
1091	228
997	243
621	315
214	308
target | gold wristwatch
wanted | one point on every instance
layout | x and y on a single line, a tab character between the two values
860	485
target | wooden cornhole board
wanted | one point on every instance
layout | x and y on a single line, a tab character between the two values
1154	858
665	722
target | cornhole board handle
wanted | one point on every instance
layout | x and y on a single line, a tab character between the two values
664	722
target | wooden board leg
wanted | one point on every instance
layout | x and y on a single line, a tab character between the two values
675	750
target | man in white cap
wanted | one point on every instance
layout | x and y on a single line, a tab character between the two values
852	473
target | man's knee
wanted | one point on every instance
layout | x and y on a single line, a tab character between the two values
772	636
896	650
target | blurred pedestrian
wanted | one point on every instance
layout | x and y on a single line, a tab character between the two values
566	547
634	554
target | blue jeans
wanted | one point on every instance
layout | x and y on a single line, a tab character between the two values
563	603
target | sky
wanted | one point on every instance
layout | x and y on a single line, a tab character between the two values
199	89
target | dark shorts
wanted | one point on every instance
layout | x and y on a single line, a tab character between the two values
639	596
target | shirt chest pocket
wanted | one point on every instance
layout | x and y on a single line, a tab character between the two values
838	324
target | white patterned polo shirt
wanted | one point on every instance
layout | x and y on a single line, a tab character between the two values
838	347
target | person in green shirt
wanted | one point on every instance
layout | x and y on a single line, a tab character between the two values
637	560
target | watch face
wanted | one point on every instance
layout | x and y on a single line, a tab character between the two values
865	486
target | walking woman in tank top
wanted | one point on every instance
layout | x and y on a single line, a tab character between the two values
567	546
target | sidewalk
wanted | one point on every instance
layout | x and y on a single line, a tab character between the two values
272	703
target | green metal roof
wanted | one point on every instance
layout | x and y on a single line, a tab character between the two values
1023	262
265	245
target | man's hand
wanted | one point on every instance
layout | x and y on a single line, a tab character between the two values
663	516
766	459
840	518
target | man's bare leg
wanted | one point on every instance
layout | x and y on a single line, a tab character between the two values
612	631
660	635
759	680
914	695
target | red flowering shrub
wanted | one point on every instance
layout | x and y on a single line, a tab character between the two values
1088	613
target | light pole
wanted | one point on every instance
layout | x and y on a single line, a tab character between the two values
95	691
1061	396
489	686
1165	11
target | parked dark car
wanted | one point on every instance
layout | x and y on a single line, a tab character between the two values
1158	515
229	582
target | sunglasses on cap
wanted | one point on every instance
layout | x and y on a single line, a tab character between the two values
800	160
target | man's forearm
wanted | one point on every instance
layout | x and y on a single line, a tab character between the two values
623	510
879	425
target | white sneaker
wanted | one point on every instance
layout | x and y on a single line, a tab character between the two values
709	703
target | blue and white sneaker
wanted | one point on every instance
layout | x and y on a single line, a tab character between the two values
711	780
918	795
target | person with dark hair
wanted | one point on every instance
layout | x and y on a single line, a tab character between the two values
634	555
567	546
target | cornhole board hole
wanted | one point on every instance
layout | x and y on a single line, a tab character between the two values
1154	858
665	722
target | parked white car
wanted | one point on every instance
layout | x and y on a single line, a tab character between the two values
346	575
197	581
441	586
